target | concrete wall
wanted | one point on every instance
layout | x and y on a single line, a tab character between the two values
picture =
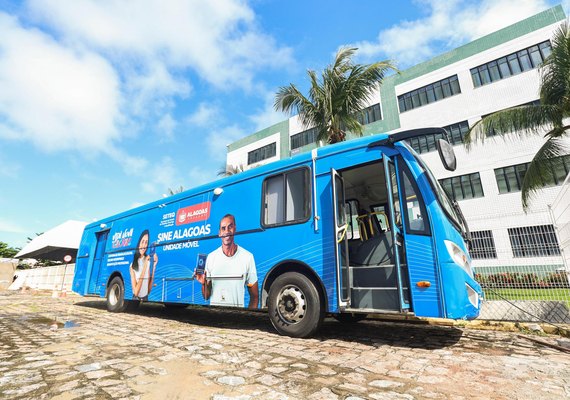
58	277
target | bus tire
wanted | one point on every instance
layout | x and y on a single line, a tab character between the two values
349	318
295	306
116	296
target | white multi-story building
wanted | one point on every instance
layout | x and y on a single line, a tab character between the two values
454	90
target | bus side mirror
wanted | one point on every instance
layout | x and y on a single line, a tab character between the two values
446	154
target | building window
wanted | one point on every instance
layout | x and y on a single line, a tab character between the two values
463	187
429	94
262	153
513	64
304	138
509	179
425	144
534	241
286	198
370	114
482	245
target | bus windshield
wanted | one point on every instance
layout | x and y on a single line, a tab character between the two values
447	204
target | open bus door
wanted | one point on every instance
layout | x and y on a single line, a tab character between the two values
396	230
371	269
94	283
341	246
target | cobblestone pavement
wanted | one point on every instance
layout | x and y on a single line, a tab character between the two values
72	348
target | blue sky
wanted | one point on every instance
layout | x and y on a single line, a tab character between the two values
106	105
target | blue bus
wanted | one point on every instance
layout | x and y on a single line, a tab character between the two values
347	230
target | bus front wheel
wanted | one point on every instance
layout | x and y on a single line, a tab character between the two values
116	296
295	306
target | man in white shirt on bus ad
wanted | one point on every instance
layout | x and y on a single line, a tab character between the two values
229	269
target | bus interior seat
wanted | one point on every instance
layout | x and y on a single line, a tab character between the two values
378	250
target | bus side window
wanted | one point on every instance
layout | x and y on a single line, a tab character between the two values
414	208
286	198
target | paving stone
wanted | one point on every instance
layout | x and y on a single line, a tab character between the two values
231	380
276	370
108	382
99	374
253	364
247	372
381	360
68	386
352	387
323	370
324	394
393	396
155	370
88	367
25	389
379	383
268	380
117	391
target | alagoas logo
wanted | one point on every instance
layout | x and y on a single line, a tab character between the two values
191	214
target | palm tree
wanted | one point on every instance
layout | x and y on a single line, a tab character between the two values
228	170
545	117
335	100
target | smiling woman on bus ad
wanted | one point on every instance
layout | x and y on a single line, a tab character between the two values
143	267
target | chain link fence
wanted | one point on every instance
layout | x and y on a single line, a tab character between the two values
532	285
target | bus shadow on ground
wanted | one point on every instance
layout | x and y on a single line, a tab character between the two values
370	332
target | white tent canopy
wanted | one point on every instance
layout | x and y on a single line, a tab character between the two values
56	243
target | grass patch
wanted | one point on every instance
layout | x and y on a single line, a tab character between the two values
529	294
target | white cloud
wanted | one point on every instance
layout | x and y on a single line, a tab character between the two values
85	75
204	115
267	116
220	138
53	96
160	176
448	24
198	176
220	40
132	165
166	126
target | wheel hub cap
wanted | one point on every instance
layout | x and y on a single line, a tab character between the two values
291	304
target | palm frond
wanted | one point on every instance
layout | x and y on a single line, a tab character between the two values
523	120
540	170
556	69
228	170
335	97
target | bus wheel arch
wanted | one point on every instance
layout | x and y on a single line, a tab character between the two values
115	294
295	301
292	266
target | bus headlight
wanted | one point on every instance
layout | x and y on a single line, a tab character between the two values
459	257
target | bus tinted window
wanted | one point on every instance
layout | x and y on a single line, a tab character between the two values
415	209
286	198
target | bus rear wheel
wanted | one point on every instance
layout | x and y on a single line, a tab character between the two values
295	306
116	296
